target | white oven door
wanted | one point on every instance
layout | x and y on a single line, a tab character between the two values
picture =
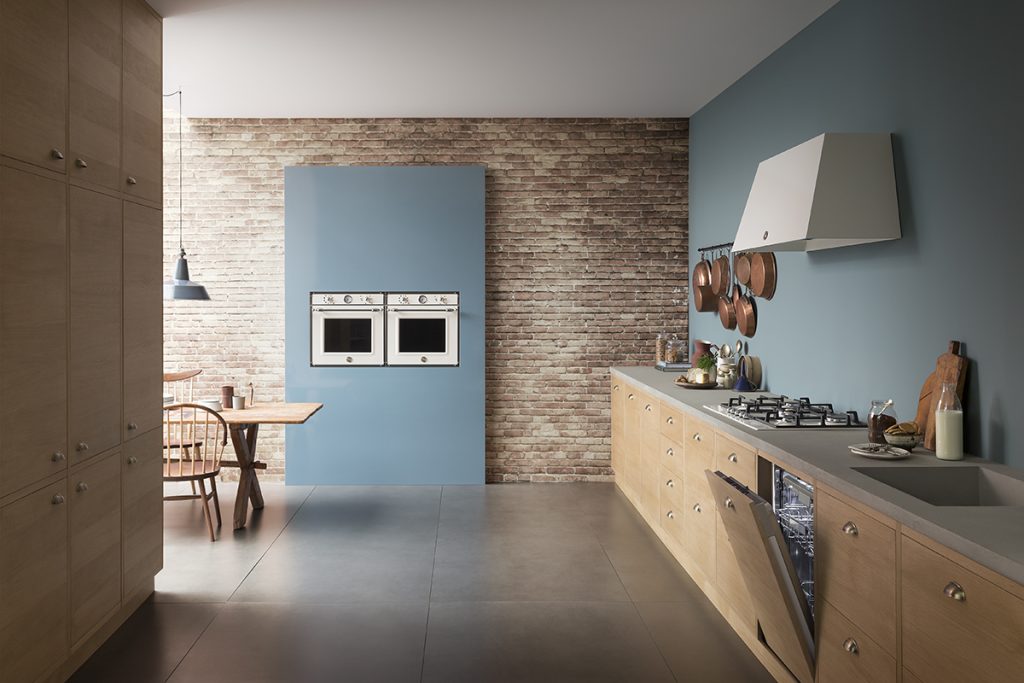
423	335
352	335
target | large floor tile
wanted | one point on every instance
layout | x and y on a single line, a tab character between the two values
499	566
699	644
540	642
148	647
309	643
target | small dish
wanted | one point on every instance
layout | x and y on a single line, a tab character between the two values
212	405
879	451
907	441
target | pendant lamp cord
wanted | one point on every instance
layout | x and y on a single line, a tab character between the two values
181	115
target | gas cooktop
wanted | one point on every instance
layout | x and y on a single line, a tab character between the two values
783	412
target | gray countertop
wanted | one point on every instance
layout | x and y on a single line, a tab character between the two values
991	536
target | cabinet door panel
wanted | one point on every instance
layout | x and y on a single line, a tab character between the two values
143	319
95	82
142	105
845	653
618	401
95	386
34	78
33	329
34	583
143	511
95	543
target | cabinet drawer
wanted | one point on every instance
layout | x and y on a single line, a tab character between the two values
856	564
672	456
976	638
699	438
846	653
671	488
699	524
673	423
736	460
671	518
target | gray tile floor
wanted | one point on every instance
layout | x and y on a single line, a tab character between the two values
555	582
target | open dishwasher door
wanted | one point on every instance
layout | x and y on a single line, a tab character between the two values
783	616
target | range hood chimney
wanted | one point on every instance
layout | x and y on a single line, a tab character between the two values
835	190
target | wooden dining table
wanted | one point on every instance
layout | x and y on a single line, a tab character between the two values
244	426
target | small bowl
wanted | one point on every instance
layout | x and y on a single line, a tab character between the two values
212	405
907	441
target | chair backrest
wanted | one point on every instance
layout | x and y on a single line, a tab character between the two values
194	439
180	385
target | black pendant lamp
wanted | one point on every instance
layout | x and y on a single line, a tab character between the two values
181	286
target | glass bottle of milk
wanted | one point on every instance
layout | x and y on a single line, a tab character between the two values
949	425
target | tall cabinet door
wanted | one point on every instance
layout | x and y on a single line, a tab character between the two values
34	583
33	329
143	102
143	509
95	493
143	319
95	373
95	82
34	81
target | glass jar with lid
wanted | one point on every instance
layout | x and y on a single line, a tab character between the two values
675	350
882	416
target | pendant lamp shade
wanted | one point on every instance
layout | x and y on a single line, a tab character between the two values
181	286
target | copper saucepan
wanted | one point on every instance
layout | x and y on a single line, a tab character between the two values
727	310
720	275
741	265
746	315
763	274
704	299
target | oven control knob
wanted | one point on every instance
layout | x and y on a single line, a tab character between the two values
348	359
423	298
366	299
404	299
328	299
443	299
348	298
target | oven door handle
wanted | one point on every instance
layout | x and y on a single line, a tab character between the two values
346	309
422	309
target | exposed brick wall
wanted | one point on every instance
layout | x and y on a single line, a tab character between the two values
586	261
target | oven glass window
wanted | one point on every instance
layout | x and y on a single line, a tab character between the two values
348	335
422	335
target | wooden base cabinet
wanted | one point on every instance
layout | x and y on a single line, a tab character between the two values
34	583
143	509
845	653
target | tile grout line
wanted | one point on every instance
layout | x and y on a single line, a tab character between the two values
430	591
217	612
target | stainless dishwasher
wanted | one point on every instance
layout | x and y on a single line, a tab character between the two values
793	505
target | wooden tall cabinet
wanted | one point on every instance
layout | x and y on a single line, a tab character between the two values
81	502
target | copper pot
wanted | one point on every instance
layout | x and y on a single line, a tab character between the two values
704	299
746	315
720	275
727	311
741	265
763	274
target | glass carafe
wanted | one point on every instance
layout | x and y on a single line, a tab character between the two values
949	425
882	416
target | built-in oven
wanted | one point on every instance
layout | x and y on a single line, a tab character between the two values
422	328
346	328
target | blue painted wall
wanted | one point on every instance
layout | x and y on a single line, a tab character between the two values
386	229
866	322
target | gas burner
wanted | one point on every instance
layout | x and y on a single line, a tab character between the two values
783	412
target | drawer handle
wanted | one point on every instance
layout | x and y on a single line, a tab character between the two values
132	460
697	437
955	591
733	458
58	456
82	487
669	452
82	446
850	529
648	407
671	484
57	499
669	420
696	507
81	163
729	504
615	387
631	397
132	180
56	154
132	426
850	645
670	514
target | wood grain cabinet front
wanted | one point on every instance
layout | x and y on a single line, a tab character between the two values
618	410
856	567
143	320
95	91
736	460
142	511
95	497
845	653
673	423
699	517
95	372
650	447
34	583
34	78
33	329
142	103
958	626
632	441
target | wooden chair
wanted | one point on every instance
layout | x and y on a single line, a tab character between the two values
181	385
194	442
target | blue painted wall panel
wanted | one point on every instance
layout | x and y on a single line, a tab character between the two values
386	228
857	323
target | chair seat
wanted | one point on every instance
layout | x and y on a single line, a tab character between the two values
203	470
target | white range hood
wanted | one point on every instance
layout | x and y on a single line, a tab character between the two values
835	190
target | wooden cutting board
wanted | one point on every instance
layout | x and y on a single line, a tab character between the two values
950	368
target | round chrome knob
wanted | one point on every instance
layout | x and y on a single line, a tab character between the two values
443	299
328	299
670	514
57	499
631	397
850	645
132	426
81	163
82	446
696	507
132	460
57	456
423	298
366	299
669	452
56	154
131	180
697	437
615	387
648	408
423	359
669	420
348	359
955	591
671	484
733	458
729	503
850	529
348	298
404	299
82	487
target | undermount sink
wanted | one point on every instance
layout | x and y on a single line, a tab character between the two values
952	486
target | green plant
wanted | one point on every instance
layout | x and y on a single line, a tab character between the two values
706	362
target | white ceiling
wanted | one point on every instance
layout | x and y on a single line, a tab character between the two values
467	58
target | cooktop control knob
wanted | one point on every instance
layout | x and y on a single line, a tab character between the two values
348	298
423	298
